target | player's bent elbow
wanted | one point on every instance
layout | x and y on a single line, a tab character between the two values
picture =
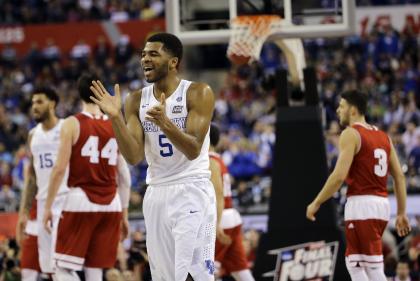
133	159
193	155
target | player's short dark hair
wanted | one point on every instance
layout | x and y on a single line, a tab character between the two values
214	135
171	44
48	92
83	85
357	99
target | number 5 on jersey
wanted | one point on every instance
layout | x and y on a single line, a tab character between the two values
109	151
166	150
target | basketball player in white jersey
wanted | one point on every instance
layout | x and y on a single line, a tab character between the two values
169	122
43	142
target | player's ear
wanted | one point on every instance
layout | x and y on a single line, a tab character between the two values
353	110
52	105
173	62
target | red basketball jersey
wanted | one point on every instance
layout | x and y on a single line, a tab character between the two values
369	171
93	162
32	211
227	189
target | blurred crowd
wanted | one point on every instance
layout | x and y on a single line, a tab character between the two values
56	11
384	64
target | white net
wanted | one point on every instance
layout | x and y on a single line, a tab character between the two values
248	34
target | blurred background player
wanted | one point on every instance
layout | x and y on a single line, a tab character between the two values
89	229
230	252
27	240
43	143
169	123
366	157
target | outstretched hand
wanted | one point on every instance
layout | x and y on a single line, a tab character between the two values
111	105
157	114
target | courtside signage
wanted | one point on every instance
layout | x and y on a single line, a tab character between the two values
308	261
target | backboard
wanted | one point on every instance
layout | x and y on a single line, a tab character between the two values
208	21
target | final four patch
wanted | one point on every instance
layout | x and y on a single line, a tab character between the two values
177	109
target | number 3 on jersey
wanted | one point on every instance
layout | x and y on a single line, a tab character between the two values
166	150
381	169
109	151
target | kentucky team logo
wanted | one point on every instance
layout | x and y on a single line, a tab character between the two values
309	261
210	266
177	109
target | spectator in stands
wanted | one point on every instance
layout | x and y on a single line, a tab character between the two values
128	275
101	51
113	274
81	51
403	272
34	57
8	199
119	12
409	137
9	56
414	156
414	248
138	258
51	52
123	50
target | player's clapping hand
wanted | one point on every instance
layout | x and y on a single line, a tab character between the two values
157	114
111	105
402	224
47	220
311	210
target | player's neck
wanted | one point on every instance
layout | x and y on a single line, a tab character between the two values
49	123
359	119
91	108
167	85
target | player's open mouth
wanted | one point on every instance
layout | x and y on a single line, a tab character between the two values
147	69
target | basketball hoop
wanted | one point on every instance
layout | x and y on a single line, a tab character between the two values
248	34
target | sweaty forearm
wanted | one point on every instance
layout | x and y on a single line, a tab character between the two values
56	178
129	147
331	186
185	143
401	194
28	195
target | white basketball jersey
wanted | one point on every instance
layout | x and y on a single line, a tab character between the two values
44	148
166	163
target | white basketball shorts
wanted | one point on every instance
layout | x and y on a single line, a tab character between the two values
180	230
46	241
